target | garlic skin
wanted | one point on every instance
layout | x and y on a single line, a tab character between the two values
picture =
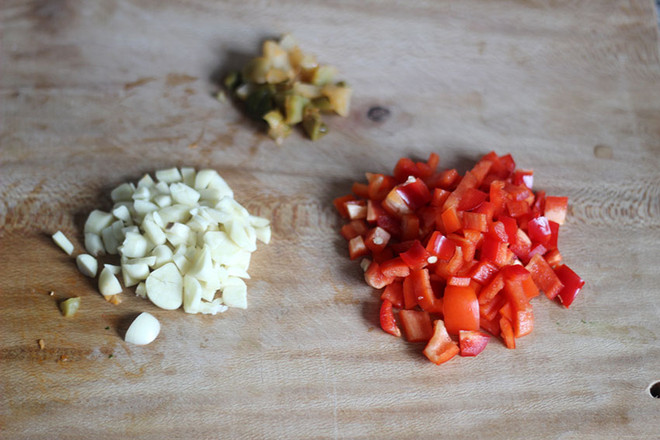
143	330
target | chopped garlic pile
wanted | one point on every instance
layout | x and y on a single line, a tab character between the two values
182	239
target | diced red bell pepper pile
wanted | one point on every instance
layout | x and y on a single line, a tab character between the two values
458	257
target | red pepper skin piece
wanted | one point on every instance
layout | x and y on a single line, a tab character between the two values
361	190
416	257
506	331
376	239
497	196
439	197
421	285
539	230
374	211
416	325
414	193
544	277
472	342
492	326
447	179
440	347
387	321
483	272
450	220
340	204
394	294
375	278
475	221
409	227
353	229
494	251
454	200
491	289
481	169
440	246
356	209
379	186
553	257
555	208
357	248
472	198
524	177
572	284
405	167
395	267
460	309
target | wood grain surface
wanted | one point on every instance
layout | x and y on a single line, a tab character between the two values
93	94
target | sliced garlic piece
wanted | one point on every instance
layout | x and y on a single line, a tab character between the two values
108	282
97	221
87	265
183	194
94	244
192	294
235	295
165	287
60	239
169	175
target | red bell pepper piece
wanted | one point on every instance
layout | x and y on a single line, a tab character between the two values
440	246
414	193
506	331
450	220
471	199
475	221
539	230
421	286
340	204
416	325
544	277
472	342
524	177
555	208
572	284
379	186
416	257
387	321
353	229
394	294
357	248
376	239
395	267
375	277
440	347
460	309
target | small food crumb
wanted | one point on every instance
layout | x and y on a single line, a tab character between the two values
107	328
64	358
41	343
51	293
110	356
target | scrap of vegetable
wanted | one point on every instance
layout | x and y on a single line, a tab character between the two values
458	256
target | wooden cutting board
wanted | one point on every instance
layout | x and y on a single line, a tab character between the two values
93	94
